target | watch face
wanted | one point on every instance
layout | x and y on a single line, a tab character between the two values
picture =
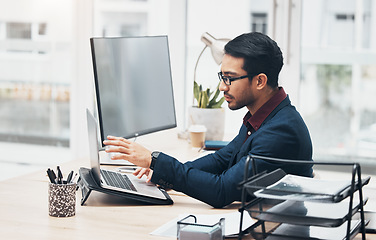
155	154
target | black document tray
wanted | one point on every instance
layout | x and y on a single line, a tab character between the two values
87	184
289	231
263	180
307	213
298	192
282	224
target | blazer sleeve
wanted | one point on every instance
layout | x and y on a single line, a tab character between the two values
217	190
219	161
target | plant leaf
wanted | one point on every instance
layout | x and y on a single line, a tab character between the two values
199	99
196	91
216	94
219	103
213	102
208	93
204	100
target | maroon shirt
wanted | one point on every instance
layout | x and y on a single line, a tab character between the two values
253	122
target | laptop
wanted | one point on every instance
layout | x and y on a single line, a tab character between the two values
125	183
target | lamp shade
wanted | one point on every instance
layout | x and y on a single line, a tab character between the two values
216	46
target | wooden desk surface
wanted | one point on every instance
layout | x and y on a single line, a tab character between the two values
24	212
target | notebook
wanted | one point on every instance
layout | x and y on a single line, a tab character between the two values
122	182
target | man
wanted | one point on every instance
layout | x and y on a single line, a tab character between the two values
272	127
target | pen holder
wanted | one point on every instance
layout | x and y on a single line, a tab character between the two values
62	200
188	229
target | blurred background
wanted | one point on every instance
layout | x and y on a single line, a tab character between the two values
46	78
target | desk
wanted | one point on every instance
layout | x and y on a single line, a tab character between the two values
24	210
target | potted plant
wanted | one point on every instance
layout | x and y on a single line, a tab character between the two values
208	111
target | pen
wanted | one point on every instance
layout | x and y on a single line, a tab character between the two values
69	178
59	176
50	176
127	169
53	174
74	178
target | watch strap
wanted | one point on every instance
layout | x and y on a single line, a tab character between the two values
154	156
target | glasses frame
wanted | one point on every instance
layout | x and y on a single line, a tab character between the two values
228	80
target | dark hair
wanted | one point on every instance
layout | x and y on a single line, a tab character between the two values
261	55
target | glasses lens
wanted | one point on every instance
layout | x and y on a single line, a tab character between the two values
225	79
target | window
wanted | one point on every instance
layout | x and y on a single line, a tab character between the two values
124	24
345	17
17	30
338	79
42	29
36	73
259	22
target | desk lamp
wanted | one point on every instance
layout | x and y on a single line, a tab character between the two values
216	46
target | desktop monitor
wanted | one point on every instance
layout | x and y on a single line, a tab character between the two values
133	85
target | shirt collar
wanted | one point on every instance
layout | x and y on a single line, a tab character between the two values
253	122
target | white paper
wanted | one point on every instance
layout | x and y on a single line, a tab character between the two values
301	184
232	221
292	187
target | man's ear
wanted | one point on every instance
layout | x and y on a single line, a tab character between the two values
262	80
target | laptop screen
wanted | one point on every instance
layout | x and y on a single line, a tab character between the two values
133	85
93	146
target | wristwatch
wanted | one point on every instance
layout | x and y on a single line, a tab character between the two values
154	156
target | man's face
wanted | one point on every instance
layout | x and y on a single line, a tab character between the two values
240	93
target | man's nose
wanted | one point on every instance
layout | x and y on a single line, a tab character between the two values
222	86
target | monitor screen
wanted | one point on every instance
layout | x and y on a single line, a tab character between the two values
133	85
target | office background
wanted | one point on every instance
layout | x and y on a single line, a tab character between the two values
46	78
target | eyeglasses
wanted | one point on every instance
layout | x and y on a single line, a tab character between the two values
228	80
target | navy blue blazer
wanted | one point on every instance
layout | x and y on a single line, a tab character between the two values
213	178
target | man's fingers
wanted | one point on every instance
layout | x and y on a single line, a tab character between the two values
118	139
119	156
114	142
110	148
113	137
142	172
137	171
148	179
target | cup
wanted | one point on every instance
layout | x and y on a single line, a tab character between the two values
62	200
197	135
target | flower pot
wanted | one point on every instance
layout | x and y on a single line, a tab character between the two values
212	118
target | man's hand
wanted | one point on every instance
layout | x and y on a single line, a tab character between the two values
140	172
128	150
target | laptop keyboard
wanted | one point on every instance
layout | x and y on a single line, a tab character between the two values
117	180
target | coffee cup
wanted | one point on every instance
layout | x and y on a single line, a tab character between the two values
197	135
